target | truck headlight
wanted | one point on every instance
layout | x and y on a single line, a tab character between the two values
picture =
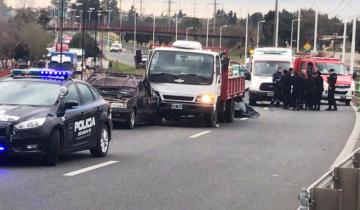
206	99
34	123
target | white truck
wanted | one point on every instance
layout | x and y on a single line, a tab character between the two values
265	62
192	82
116	47
80	55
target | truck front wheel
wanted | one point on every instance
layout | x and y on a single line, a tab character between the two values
252	100
347	102
211	119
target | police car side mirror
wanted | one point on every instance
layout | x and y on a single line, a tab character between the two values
71	104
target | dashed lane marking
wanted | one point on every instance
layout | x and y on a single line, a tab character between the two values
91	168
199	134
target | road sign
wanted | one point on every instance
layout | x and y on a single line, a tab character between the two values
307	46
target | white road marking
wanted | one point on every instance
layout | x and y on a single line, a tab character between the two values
199	134
84	170
351	142
266	108
243	119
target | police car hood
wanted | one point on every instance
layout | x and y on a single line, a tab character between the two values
20	113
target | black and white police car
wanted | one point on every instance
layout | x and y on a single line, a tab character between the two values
45	112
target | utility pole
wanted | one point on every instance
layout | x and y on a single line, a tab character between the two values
214	24
121	20
246	37
169	3
298	33
352	60
316	29
276	31
61	30
141	7
344	42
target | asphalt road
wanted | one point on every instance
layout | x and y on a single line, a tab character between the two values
251	164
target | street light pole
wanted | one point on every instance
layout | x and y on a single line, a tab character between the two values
187	32
277	24
246	37
258	31
352	60
108	34
344	42
61	30
292	33
221	30
316	29
207	32
176	26
135	31
298	33
154	27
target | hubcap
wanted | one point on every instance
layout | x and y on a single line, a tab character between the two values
132	119
104	141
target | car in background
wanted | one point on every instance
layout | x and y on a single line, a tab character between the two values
116	47
131	98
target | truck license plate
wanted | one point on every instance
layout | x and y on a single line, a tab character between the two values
176	106
342	97
270	94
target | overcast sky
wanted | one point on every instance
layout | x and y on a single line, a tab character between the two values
342	8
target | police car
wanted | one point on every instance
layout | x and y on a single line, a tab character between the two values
45	112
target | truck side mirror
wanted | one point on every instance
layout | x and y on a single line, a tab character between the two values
225	63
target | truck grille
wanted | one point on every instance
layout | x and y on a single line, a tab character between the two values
340	92
267	87
178	98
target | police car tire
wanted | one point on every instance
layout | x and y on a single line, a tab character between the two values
53	151
97	150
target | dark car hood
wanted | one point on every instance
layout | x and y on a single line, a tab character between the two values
9	113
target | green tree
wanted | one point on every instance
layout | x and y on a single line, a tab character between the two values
44	18
4	10
91	50
7	42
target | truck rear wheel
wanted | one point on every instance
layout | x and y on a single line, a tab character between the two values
220	112
252	101
229	111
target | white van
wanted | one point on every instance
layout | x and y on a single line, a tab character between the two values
116	47
265	62
79	55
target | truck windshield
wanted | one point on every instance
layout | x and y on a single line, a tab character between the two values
181	67
338	67
268	68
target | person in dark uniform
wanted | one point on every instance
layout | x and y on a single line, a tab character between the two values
277	87
319	89
309	89
297	82
332	79
286	88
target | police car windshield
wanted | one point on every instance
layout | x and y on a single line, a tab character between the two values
268	68
28	93
338	68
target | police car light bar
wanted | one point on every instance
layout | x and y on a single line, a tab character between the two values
2	148
42	73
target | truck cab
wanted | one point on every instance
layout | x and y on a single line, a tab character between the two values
264	63
345	85
188	80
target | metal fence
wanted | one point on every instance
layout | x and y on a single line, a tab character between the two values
338	189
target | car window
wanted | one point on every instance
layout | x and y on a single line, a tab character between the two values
95	93
73	94
86	93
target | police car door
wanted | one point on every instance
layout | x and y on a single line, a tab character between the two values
85	128
71	116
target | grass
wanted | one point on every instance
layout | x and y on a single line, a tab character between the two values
122	68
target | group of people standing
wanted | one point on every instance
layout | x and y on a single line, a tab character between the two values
303	90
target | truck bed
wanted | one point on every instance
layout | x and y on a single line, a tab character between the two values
232	86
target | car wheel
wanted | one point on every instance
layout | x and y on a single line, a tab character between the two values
102	143
131	120
52	155
211	119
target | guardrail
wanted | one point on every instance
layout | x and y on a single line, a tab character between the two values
338	189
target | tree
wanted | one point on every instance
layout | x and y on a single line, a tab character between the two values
35	39
4	10
7	42
190	22
91	50
44	18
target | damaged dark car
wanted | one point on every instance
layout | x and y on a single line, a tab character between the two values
131	98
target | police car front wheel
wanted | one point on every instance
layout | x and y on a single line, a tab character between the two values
53	151
102	143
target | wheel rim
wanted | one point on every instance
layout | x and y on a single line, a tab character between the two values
132	119
104	141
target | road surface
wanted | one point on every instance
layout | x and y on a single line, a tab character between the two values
251	164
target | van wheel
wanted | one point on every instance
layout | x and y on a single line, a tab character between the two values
229	112
102	143
211	119
131	121
347	103
53	151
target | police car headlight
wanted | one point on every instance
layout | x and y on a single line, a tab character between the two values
34	123
206	99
